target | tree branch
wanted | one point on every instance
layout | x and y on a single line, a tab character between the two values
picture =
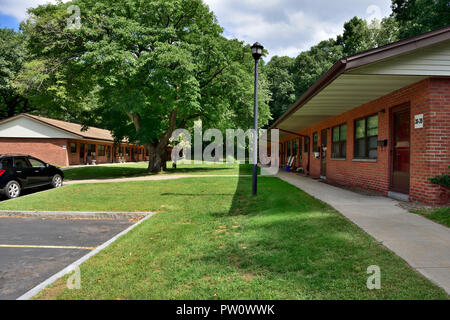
213	77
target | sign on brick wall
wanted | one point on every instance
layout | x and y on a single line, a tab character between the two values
418	121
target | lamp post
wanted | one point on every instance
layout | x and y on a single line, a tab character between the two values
257	50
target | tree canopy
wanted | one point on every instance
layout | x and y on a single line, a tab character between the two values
12	56
145	67
280	70
418	16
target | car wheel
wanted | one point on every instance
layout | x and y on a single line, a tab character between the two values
57	181
12	189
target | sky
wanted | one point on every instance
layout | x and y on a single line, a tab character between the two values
283	27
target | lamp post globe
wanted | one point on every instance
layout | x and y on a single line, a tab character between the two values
257	50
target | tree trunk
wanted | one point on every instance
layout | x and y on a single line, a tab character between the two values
155	163
164	162
157	150
158	158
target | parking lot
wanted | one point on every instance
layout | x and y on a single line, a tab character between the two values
33	249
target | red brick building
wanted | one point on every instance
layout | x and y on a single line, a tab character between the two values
379	120
63	143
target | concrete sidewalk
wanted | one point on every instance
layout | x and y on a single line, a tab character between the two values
152	178
424	244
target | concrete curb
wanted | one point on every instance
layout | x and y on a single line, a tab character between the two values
73	214
28	295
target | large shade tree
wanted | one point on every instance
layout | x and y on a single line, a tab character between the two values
145	67
12	56
418	16
280	72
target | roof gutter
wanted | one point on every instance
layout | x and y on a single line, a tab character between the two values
293	133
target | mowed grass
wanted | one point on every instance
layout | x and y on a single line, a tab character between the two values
439	215
210	239
139	169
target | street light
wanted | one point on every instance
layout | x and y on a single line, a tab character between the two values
257	50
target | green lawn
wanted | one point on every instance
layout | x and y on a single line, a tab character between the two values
212	240
440	215
140	169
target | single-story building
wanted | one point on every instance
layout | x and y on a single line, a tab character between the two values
64	143
379	119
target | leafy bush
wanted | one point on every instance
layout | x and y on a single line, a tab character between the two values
442	180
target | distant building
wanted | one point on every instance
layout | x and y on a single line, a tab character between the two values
64	143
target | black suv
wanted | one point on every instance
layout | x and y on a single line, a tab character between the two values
18	172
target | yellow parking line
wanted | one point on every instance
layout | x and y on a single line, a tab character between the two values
44	247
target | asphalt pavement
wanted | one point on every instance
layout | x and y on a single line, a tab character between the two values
32	249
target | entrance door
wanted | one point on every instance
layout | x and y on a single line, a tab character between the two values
323	154
401	126
81	153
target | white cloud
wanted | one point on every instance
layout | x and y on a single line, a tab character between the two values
18	8
287	27
284	27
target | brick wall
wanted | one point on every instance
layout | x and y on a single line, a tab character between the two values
429	147
431	155
48	150
57	151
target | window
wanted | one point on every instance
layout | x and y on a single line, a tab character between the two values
315	142
6	163
73	147
127	151
366	136
339	142
21	163
35	163
288	148
91	149
101	151
294	147
306	144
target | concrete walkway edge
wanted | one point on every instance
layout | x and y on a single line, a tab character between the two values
153	178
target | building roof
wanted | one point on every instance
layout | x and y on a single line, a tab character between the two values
75	128
68	127
351	82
